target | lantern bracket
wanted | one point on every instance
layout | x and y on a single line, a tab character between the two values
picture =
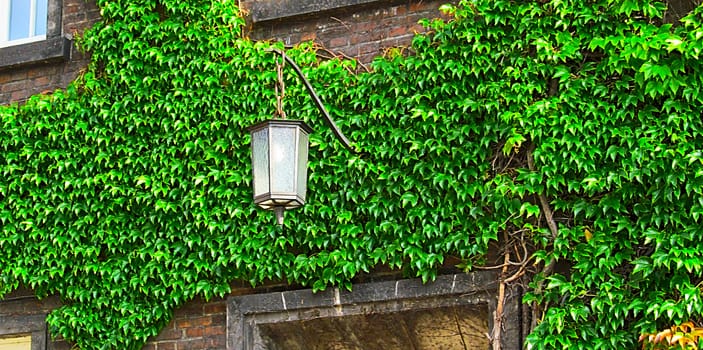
330	122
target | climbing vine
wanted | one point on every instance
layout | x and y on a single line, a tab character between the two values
570	129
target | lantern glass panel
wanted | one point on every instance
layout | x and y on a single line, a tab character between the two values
302	163
260	155
283	147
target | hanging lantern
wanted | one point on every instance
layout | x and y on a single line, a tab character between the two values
279	161
279	154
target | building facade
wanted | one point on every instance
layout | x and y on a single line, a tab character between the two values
383	312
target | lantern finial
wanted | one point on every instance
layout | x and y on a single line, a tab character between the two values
280	212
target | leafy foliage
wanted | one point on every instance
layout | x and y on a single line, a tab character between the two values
684	336
128	193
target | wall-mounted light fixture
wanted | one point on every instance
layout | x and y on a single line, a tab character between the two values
280	152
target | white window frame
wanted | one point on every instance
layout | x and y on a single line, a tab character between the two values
5	25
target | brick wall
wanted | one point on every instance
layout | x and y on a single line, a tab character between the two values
197	325
361	32
19	83
202	325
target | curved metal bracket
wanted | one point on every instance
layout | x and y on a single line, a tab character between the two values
330	122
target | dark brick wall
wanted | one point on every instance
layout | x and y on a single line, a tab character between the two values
361	32
197	325
22	305
19	83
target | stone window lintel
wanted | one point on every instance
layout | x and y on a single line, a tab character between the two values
56	47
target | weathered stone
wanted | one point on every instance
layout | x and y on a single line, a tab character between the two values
45	51
32	324
462	327
267	10
454	312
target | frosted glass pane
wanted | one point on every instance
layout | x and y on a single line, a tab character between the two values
283	160
19	19
302	164
40	25
260	161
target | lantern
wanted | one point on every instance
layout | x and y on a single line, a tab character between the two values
280	151
279	162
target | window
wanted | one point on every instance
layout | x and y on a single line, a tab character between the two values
453	312
23	332
22	21
22	342
30	33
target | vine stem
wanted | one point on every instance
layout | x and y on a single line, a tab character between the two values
496	337
280	89
548	214
549	217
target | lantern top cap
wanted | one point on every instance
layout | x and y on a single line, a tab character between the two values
281	122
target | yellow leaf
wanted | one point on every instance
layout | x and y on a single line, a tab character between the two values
588	234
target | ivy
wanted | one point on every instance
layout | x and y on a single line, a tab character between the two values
127	194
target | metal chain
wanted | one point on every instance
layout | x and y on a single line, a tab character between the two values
280	88
330	122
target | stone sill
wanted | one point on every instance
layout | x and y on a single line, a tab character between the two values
269	10
49	50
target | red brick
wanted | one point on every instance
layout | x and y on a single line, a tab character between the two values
365	26
401	10
166	346
367	57
184	323
418	28
194	332
310	36
417	6
338	42
217	342
170	334
219	307
192	307
19	96
71	8
193	344
215	330
398	31
369	47
19	74
194	322
41	81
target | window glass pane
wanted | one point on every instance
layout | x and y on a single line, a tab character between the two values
260	141
302	163
283	160
19	19
40	25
